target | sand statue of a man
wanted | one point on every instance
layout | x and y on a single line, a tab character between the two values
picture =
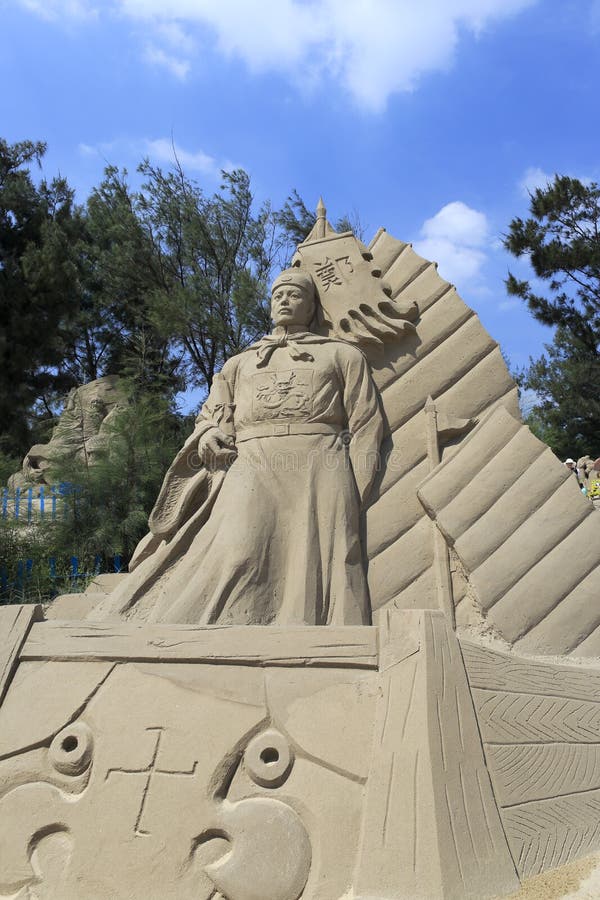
260	510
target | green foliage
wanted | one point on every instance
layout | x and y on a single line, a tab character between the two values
561	239
296	222
213	264
36	544
107	510
566	379
21	543
175	281
38	288
118	487
562	242
123	268
8	465
18	543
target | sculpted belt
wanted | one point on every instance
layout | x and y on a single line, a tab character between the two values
279	429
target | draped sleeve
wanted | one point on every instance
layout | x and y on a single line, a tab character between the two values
218	409
187	479
365	422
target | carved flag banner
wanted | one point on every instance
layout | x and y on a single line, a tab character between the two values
355	302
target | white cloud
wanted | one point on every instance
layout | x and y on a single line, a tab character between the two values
372	53
457	238
507	305
172	48
595	16
87	150
158	150
534	178
61	9
172	34
175	65
460	223
164	150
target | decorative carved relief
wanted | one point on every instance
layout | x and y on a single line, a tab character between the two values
187	781
540	725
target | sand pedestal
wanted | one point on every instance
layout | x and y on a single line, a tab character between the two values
246	763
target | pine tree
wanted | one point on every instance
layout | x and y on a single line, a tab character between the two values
562	240
38	288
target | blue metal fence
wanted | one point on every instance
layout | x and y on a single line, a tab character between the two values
24	572
45	501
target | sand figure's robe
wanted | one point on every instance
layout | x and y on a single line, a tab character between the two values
275	539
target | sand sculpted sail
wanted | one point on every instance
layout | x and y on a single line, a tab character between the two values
525	543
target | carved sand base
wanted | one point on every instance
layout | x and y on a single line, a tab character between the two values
243	763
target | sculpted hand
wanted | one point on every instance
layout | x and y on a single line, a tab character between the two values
217	448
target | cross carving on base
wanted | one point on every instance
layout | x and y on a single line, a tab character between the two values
151	770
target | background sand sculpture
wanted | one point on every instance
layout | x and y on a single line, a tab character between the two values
83	428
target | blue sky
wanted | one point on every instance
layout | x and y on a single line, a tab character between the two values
428	118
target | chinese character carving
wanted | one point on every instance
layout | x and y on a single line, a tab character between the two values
327	274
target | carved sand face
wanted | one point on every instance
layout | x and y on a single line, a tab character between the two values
291	304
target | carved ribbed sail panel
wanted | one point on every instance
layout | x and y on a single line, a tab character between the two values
450	357
528	538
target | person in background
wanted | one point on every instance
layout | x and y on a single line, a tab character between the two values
584	467
594	481
572	467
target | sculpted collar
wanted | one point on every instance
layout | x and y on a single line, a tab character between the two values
289	336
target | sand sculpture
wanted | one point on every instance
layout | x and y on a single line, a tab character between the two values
284	741
258	518
82	430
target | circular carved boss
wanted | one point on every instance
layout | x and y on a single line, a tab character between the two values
269	759
71	750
